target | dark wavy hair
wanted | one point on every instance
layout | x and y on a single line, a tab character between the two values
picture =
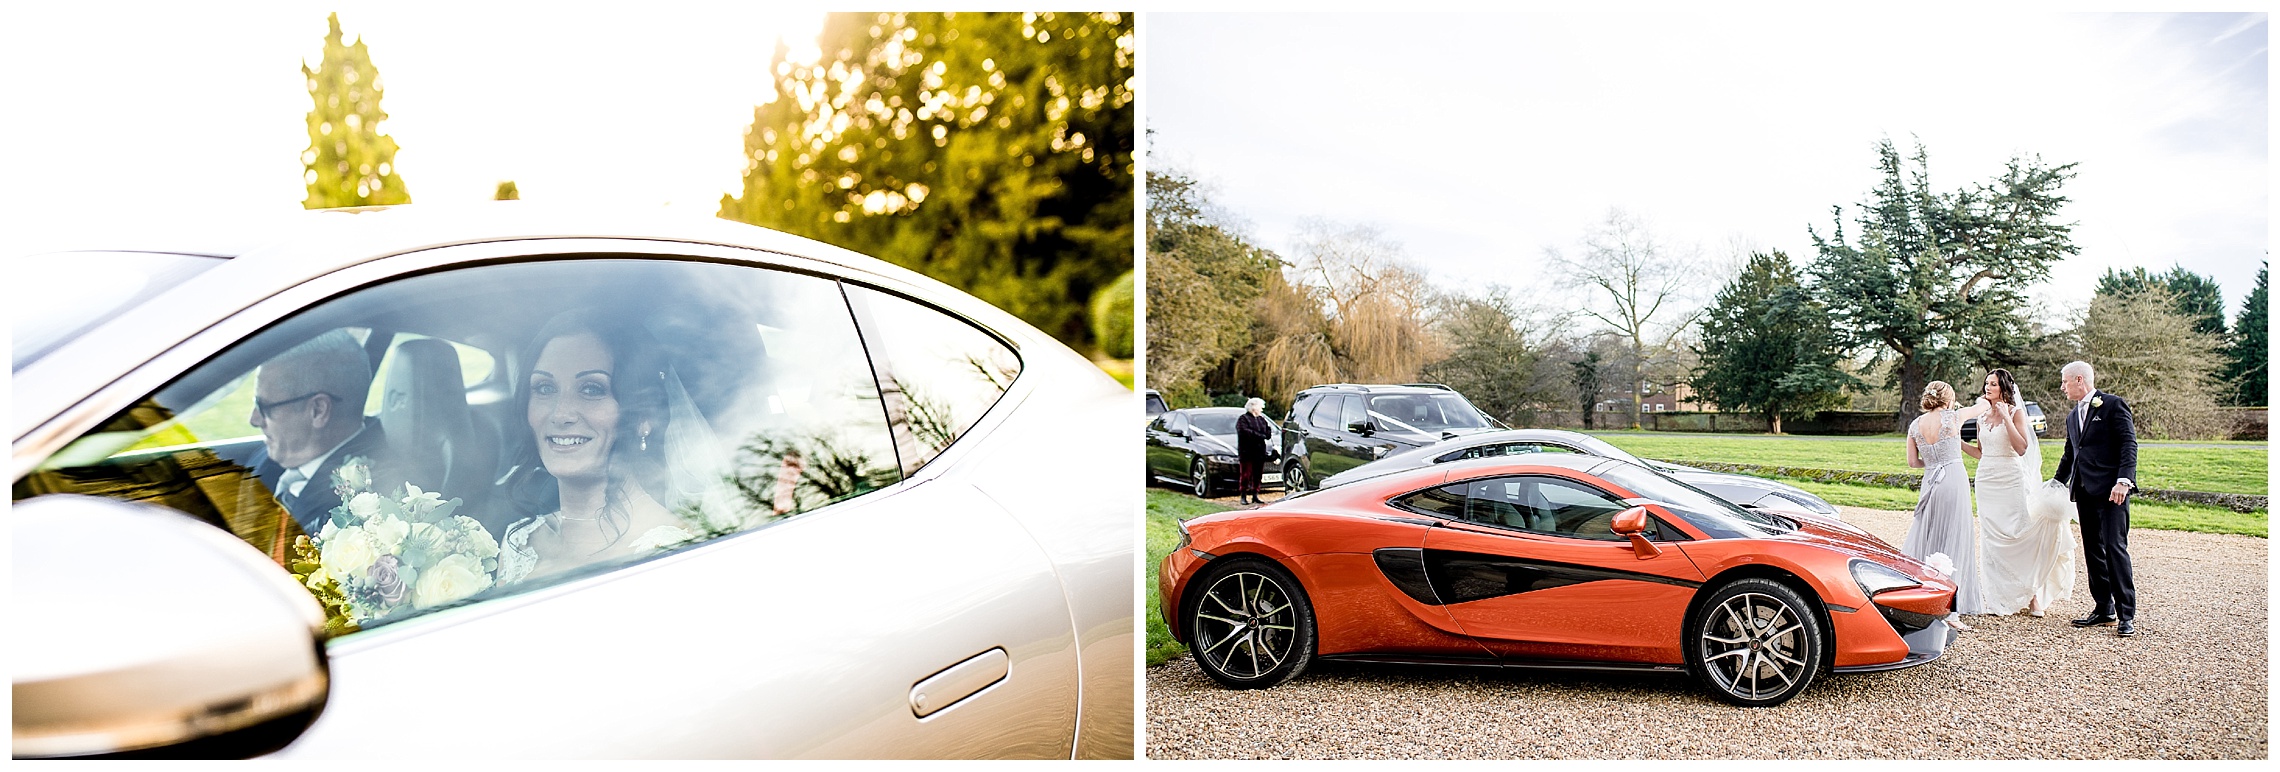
637	380
2005	384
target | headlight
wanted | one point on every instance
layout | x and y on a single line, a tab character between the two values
1221	458
1184	539
1874	578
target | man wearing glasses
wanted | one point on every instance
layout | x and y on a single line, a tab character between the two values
309	406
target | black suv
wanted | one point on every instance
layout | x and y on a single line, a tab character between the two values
1337	427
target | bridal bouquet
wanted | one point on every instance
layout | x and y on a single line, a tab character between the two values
383	554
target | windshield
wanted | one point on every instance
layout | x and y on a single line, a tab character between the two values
57	296
1425	413
1715	516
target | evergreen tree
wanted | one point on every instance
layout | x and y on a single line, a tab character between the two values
2196	297
2248	358
507	192
1934	282
1767	347
992	151
349	162
1587	383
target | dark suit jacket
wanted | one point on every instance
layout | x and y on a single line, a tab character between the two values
318	498
2100	448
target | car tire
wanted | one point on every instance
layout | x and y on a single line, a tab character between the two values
1294	478
1250	623
1202	475
1755	642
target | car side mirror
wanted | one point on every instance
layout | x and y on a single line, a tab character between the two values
1363	428
155	633
1633	523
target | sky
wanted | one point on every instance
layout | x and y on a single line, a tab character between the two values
1479	140
143	114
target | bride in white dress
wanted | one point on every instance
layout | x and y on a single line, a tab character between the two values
2026	551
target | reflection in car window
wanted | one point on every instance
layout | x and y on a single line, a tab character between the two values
1425	412
1543	505
685	402
1351	414
1325	415
1718	517
937	373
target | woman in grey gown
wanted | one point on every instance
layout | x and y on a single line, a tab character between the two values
1943	523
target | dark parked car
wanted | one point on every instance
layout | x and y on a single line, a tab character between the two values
1336	427
1195	447
2035	421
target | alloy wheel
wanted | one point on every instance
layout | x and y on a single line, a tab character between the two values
1756	647
1246	625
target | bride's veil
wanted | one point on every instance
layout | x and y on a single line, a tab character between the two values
696	488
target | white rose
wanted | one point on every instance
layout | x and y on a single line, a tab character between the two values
450	579
356	475
348	552
364	505
387	533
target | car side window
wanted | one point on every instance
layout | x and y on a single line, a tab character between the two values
529	423
1542	505
1179	423
1447	501
1355	412
937	373
1303	408
1325	414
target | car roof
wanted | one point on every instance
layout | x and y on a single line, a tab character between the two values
1380	388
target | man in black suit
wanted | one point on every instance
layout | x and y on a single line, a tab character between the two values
2098	467
309	406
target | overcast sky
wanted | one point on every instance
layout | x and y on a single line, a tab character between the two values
1478	140
128	113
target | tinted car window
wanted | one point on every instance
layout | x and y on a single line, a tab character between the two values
1427	413
1303	407
1326	412
681	402
1351	412
1542	505
1447	501
1718	517
938	373
1222	424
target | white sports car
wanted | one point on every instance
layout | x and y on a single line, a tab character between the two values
508	481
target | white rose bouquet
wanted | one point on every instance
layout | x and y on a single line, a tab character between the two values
389	553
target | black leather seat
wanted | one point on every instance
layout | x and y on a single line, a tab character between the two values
431	433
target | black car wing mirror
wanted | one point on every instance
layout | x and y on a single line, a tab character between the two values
1363	428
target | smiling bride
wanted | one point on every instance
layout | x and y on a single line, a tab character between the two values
596	400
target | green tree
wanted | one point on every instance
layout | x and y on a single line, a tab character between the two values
2248	358
1112	317
1634	287
507	192
2197	297
1767	347
992	151
1935	281
349	161
1489	356
1202	282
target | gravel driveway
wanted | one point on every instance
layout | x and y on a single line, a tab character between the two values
2192	684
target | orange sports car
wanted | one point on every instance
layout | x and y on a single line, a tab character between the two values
1556	561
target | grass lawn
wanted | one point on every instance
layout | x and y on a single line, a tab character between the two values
2143	514
1165	508
2215	470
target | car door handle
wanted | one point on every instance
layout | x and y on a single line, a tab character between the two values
955	683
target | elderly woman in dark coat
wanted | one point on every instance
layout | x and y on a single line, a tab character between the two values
1251	432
